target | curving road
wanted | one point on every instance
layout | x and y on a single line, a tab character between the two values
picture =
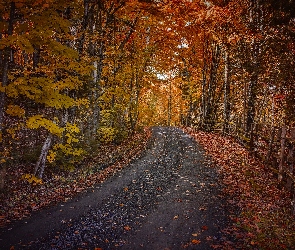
168	198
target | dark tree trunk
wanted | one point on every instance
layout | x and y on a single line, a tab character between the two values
209	87
5	65
226	92
6	55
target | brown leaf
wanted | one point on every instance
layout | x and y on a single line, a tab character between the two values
196	242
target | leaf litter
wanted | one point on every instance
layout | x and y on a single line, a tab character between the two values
264	220
128	217
21	198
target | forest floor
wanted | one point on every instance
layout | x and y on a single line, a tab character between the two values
265	220
172	196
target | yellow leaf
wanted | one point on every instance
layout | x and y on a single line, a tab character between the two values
37	121
51	156
32	179
15	110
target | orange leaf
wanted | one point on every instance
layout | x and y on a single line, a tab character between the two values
196	242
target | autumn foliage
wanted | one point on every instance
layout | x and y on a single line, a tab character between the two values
79	75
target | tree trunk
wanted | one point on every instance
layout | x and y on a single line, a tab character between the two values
84	26
133	102
282	154
270	145
290	160
169	105
255	22
209	90
2	176
226	92
204	82
5	66
6	53
36	56
41	163
96	78
251	103
95	118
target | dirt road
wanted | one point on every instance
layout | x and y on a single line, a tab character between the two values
169	198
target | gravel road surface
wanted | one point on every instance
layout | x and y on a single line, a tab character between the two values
168	198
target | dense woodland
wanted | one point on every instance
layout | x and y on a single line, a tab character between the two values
83	80
77	74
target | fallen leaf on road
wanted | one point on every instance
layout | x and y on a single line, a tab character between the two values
196	242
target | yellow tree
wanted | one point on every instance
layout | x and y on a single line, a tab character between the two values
40	73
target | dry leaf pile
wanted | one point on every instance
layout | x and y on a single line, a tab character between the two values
264	220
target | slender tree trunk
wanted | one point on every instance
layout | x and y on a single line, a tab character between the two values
36	56
5	66
131	103
270	145
251	113
41	163
282	154
6	54
251	103
169	104
95	95
84	26
204	82
255	22
136	112
96	75
290	160
209	90
2	176
226	92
